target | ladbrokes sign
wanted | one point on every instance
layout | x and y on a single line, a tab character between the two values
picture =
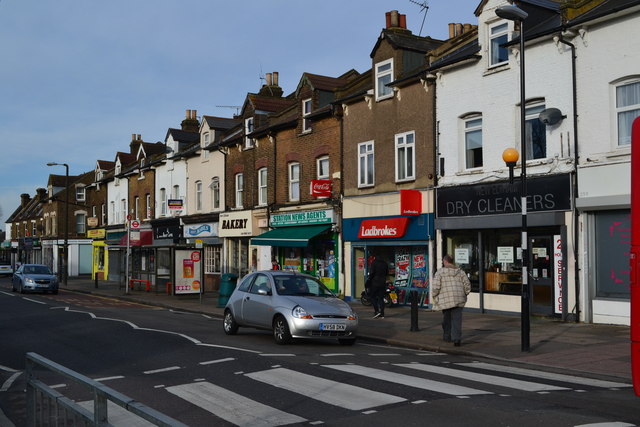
388	228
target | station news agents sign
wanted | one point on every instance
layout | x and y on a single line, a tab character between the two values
548	193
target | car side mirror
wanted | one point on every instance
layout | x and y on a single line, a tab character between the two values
264	292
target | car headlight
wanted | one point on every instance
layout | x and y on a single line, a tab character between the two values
300	313
29	280
352	316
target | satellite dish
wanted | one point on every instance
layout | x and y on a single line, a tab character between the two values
551	116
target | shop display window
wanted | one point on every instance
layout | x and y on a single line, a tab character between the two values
463	247
502	261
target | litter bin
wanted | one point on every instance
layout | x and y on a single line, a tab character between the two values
227	285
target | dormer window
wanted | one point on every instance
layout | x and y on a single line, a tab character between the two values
306	110
498	36
384	76
248	128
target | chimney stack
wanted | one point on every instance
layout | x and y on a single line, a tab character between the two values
190	123
396	20
24	199
42	193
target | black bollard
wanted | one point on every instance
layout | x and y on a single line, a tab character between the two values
96	282
414	311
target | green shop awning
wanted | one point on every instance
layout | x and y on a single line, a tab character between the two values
290	236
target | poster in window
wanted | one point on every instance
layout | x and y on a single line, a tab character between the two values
461	256
403	267
505	253
187	270
419	270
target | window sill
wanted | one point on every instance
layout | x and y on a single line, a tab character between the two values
383	98
366	185
404	181
496	69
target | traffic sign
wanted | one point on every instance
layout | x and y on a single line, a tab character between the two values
135	224
129	217
195	256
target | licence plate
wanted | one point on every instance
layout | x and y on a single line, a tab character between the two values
332	326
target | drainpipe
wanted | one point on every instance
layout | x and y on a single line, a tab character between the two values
576	214
339	113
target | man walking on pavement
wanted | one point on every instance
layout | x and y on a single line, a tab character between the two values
449	289
378	279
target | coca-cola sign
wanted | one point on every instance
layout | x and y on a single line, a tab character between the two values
388	228
321	187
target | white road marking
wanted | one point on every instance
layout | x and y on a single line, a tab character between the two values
210	362
336	354
33	300
326	391
118	416
277	354
408	380
8	293
545	375
483	378
58	386
156	371
9	381
118	377
384	354
6	368
232	407
608	424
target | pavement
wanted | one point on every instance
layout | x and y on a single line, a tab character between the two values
562	347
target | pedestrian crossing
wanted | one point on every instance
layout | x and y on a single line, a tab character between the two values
325	384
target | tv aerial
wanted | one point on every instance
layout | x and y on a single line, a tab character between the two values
237	107
424	7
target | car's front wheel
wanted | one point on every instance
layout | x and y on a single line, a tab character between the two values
229	323
281	332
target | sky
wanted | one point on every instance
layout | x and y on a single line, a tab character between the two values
78	77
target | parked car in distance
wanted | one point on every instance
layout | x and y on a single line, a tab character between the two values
34	278
292	305
5	268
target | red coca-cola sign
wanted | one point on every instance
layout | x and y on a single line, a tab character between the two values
321	187
387	228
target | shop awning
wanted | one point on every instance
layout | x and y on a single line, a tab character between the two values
290	236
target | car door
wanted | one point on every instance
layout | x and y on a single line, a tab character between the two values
16	279
257	309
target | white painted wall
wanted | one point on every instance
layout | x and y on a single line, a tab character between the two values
115	194
172	172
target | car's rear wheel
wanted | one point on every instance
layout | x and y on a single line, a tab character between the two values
281	332
229	323
347	341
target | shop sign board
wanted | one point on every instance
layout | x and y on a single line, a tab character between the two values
174	203
387	228
235	224
558	267
302	218
410	202
96	233
167	232
209	229
187	268
92	221
544	194
321	187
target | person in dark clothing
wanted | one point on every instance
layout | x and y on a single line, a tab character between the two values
378	282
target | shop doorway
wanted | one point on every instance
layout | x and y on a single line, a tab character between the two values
541	263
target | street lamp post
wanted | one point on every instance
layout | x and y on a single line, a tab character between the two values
65	258
513	13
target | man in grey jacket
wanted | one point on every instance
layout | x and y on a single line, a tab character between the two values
449	290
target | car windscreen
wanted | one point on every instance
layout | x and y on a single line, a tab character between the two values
37	269
301	286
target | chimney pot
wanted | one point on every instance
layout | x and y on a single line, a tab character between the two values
268	79
194	114
139	137
188	114
133	136
275	78
388	18
467	28
458	29
394	18
452	30
403	21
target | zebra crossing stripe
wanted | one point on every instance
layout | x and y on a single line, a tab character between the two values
232	407
408	380
118	416
327	391
483	378
546	375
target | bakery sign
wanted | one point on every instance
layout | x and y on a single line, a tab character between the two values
235	224
320	187
386	228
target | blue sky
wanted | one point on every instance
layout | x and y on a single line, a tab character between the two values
78	77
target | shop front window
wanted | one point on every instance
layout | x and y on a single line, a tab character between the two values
502	261
612	249
463	247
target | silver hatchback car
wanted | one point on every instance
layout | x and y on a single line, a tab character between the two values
35	278
292	305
